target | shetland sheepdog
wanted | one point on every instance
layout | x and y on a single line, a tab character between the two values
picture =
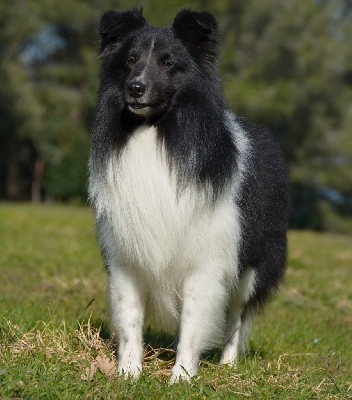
191	201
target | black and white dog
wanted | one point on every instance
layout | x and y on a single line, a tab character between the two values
191	201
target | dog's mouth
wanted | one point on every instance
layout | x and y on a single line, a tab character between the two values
143	108
138	106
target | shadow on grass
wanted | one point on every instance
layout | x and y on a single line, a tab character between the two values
157	346
163	346
213	355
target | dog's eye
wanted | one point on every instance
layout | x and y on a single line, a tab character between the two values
167	64
131	61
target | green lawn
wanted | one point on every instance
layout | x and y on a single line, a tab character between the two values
54	321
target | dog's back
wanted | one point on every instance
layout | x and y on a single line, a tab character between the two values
191	201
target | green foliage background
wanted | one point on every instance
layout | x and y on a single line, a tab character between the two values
284	64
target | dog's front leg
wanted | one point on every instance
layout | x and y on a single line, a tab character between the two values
127	309
202	322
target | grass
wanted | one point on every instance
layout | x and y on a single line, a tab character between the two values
54	341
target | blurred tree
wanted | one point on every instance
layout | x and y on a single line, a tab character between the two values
20	113
48	59
285	64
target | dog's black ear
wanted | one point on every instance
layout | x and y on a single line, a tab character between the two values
198	32
116	25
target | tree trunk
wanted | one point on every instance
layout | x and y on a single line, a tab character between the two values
38	174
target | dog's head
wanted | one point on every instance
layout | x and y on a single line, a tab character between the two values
150	66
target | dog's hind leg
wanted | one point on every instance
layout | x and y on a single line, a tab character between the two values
127	308
238	323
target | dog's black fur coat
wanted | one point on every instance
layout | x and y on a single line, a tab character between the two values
166	78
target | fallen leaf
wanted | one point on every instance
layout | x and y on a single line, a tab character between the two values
90	371
106	365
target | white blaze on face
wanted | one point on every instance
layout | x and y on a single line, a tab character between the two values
141	76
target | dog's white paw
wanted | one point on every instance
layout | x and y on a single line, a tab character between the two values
180	373
229	356
130	371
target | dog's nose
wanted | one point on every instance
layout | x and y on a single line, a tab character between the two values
136	89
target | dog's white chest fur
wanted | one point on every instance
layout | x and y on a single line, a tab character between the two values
150	221
163	237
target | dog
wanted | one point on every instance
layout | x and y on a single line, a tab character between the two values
190	200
